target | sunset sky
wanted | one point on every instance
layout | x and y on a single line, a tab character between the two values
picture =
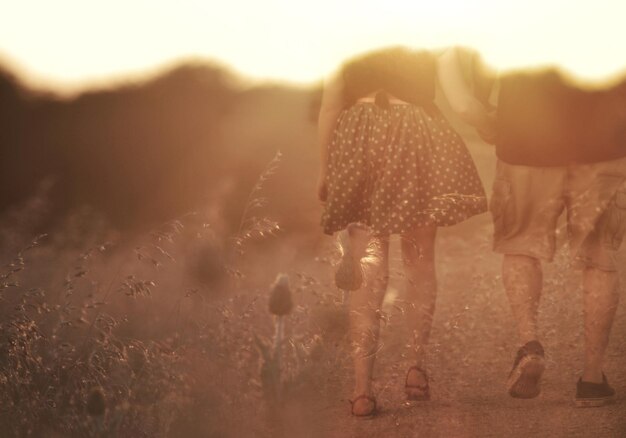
70	44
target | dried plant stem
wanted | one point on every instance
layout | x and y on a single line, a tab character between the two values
278	344
270	169
250	225
82	348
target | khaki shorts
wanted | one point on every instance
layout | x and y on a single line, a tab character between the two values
527	202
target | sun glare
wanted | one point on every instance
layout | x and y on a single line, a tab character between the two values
70	42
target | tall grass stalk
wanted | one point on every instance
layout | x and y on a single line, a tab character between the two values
250	226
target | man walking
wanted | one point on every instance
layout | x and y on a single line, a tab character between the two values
559	150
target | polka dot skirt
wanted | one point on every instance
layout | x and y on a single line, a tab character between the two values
397	169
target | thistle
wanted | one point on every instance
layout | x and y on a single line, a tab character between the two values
280	305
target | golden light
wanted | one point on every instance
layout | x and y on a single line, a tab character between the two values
71	43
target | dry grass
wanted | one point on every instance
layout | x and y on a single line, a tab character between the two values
162	334
169	334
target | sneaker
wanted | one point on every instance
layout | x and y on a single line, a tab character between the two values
524	379
590	395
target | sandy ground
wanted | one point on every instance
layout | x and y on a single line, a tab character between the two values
473	344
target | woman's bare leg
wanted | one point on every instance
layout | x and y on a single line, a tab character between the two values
365	305
418	255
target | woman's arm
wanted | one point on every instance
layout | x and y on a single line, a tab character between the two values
460	95
331	106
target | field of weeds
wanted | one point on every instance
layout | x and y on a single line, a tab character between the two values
168	333
184	331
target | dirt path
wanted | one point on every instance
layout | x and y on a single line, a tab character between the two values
473	345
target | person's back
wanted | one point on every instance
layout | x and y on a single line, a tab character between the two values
405	74
545	120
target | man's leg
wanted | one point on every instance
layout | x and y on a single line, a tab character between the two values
523	279
596	217
526	203
601	297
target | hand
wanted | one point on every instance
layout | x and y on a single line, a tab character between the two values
489	136
322	188
488	132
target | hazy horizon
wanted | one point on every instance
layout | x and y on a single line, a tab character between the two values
69	46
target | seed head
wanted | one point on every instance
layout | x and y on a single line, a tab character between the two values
280	297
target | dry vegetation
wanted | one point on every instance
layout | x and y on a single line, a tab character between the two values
176	333
165	334
169	332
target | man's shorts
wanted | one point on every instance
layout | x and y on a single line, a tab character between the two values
527	202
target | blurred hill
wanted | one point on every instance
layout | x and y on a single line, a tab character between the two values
144	153
195	139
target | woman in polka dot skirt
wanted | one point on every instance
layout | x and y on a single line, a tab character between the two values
391	164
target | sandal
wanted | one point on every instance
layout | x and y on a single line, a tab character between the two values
369	413
417	392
